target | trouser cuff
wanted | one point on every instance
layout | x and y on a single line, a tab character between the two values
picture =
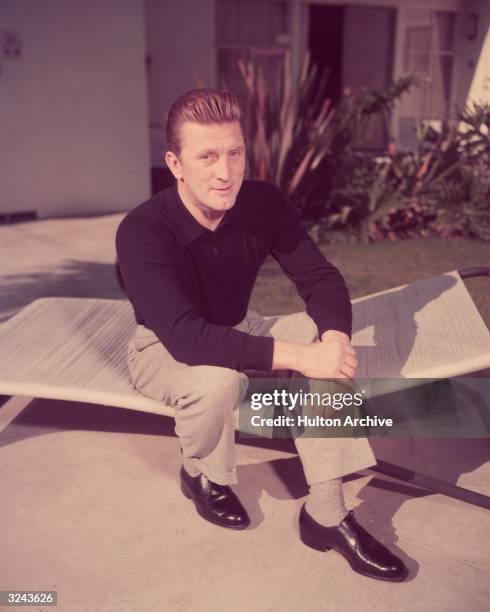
222	478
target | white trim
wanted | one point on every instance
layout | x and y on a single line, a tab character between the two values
397	66
455	95
298	35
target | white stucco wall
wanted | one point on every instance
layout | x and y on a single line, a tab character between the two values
181	44
74	119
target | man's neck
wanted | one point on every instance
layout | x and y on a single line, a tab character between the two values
206	217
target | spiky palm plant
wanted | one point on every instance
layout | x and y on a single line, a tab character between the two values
297	138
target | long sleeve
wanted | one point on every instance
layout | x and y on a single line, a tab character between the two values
318	282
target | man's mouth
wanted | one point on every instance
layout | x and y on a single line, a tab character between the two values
222	189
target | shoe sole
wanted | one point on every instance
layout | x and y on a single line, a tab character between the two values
212	520
316	545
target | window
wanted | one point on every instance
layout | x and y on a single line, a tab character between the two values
428	49
251	30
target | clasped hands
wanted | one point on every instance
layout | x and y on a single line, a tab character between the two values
332	357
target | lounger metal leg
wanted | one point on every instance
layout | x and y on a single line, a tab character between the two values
427	482
433	484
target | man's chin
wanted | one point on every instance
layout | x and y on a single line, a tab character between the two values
222	203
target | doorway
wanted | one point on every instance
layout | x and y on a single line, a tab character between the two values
355	44
325	43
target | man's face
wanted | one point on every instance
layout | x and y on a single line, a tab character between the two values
211	164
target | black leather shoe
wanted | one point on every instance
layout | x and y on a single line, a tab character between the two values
365	554
215	503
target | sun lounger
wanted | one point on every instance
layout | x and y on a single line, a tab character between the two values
75	348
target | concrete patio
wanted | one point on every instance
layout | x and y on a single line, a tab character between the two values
91	507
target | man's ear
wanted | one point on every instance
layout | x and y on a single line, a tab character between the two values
173	164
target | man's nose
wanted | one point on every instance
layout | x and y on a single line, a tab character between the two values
223	169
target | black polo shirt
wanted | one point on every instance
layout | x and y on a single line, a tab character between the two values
191	285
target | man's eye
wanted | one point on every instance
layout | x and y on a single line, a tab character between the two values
235	153
207	156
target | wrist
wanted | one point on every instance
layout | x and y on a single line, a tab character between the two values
287	355
335	335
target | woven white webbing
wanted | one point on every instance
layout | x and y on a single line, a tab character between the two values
75	348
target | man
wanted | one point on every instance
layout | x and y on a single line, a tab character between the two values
189	257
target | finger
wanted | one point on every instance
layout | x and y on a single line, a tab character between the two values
349	350
334	376
348	371
351	361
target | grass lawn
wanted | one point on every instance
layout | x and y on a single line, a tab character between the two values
368	268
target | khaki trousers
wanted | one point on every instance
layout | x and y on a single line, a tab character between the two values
204	398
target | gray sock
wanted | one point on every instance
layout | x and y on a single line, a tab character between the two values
325	503
190	469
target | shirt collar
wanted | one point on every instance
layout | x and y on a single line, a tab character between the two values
188	229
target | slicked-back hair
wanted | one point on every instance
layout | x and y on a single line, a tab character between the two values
203	106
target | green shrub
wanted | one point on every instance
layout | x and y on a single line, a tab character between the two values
441	189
